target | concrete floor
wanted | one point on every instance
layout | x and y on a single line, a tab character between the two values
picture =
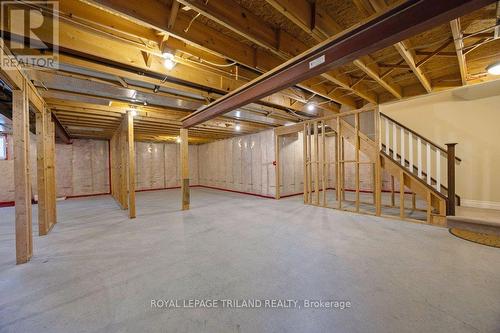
97	271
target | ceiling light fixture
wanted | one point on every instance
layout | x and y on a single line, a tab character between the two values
237	127
178	139
494	69
133	112
169	60
311	107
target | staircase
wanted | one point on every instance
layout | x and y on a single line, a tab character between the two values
418	163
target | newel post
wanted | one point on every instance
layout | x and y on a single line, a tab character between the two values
450	208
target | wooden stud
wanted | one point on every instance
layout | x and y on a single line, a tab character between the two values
356	151
316	162
277	166
378	166
42	173
342	169
309	150
401	195
20	113
339	172
131	165
184	154
324	175
304	157
51	165
393	199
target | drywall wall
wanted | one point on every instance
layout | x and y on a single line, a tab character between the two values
470	118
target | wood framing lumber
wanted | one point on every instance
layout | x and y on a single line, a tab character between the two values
398	23
24	237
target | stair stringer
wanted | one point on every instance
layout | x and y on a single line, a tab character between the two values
436	202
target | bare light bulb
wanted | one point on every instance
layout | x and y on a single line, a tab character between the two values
494	69
311	107
169	60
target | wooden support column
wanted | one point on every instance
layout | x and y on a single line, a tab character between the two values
450	207
51	170
123	148
339	165
131	165
393	198
357	148
304	155
42	173
402	194
324	165
316	162
378	165
20	115
309	164
277	166
184	168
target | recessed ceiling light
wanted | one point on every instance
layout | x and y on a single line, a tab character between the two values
494	69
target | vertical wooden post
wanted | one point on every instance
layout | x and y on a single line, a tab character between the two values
323	162
378	166
393	199
131	165
304	154
342	169
336	166
277	166
316	162
339	164
429	207
42	173
309	164
402	195
123	163
20	115
450	207
51	170
184	168
356	152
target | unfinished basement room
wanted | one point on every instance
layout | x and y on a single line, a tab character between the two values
250	166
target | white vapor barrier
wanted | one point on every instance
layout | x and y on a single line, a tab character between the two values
82	168
157	165
7	170
242	163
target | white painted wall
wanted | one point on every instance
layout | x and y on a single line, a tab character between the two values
470	117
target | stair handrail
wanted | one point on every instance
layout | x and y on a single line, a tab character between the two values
435	145
449	153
